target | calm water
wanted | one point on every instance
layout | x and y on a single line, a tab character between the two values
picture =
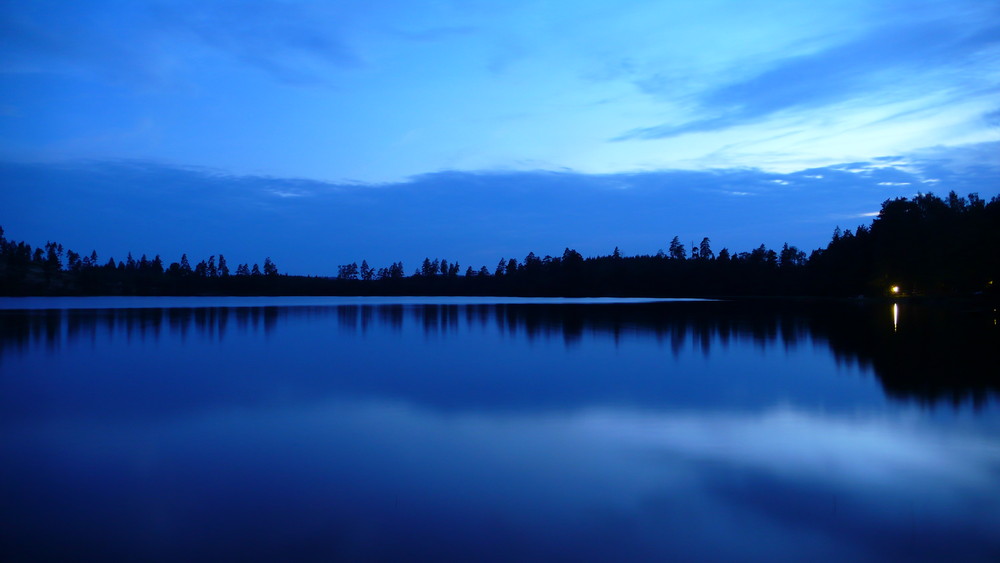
319	429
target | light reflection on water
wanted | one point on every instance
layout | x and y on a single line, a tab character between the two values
499	431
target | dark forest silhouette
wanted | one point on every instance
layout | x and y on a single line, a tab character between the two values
920	246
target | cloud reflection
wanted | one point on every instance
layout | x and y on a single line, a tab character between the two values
629	483
520	431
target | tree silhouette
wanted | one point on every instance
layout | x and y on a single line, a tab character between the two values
269	268
676	249
348	271
923	245
705	249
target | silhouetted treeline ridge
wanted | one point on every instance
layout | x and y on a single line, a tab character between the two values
55	270
920	246
924	245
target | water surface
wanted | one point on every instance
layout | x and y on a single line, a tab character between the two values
433	429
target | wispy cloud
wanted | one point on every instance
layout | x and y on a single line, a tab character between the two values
134	43
432	34
891	63
409	88
73	38
286	40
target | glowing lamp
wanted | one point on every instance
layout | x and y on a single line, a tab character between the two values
894	289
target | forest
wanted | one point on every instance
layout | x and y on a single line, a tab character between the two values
920	246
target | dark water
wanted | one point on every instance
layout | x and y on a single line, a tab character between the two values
338	430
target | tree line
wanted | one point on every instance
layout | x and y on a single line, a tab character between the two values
56	270
921	246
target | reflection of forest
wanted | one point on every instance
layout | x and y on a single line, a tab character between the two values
934	355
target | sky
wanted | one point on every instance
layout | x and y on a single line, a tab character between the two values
321	133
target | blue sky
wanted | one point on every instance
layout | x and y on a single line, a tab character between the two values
325	132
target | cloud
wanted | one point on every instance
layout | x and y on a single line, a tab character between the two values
284	39
441	33
74	38
311	226
890	63
139	42
992	118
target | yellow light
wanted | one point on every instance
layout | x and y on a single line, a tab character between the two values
894	289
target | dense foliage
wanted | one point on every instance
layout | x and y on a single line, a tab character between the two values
924	245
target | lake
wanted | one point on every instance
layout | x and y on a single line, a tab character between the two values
317	429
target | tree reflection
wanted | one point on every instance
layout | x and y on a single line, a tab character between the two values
927	354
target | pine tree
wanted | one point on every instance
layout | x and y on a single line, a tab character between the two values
676	249
269	268
705	249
